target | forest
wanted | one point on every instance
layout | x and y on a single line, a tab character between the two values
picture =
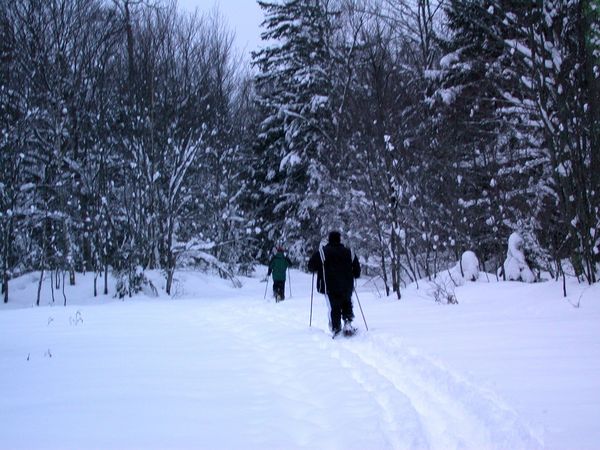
134	136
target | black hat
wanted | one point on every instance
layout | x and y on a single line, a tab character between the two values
334	237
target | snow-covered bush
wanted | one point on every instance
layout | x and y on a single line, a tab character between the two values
469	263
515	266
131	282
467	269
442	286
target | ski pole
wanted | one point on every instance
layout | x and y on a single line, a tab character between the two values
290	282
361	311
266	287
312	286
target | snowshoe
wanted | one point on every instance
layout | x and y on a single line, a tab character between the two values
349	330
344	333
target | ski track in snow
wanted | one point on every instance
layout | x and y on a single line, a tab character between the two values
419	404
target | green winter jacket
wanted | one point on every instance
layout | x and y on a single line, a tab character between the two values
278	266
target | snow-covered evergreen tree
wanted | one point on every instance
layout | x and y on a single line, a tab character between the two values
484	176
555	52
296	144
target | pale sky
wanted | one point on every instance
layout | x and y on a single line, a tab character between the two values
243	17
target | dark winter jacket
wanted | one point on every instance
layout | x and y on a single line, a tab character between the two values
278	266
341	267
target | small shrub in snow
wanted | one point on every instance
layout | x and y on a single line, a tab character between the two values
131	282
442	291
515	266
74	321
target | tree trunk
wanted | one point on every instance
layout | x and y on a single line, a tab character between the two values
170	273
63	288
395	264
130	56
5	284
6	252
52	286
39	291
106	279
5	272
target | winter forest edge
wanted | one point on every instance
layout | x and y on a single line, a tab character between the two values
133	137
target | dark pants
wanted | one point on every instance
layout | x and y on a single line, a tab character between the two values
279	289
341	308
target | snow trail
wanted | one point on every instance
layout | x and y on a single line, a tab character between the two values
455	413
312	374
421	403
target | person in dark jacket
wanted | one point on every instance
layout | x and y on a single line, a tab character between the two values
278	267
337	267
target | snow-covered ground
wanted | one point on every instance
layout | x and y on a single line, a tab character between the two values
511	366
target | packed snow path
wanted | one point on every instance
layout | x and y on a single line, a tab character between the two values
232	373
374	393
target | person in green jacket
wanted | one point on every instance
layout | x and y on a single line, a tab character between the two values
278	267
